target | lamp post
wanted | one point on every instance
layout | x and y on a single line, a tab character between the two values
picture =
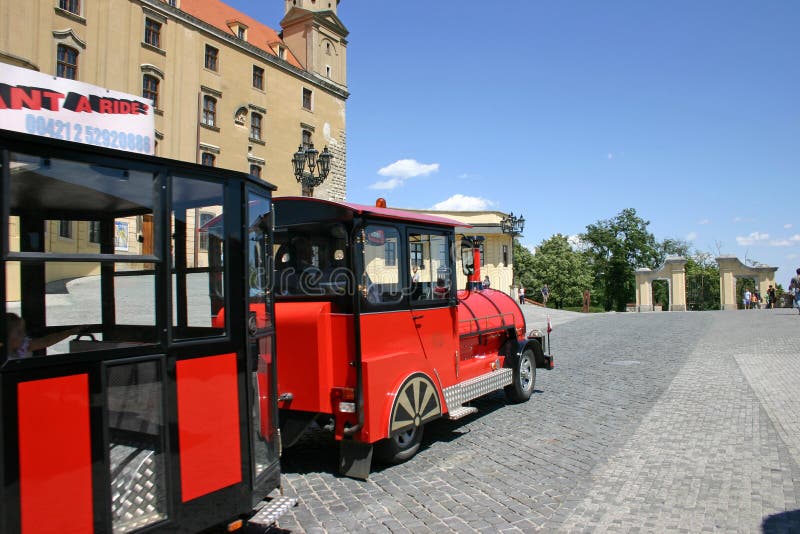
513	226
319	165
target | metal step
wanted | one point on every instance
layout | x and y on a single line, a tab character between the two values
270	513
460	412
479	386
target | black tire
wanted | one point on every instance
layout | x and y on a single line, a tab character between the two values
416	403
523	370
401	447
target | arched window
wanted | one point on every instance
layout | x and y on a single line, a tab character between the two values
209	110
67	62
150	88
255	126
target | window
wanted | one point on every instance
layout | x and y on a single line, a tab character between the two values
152	33
480	248
430	267
307	98
255	126
328	71
198	256
65	229
390	254
306	139
67	62
416	255
255	170
505	255
209	110
205	218
380	282
209	159
240	33
212	58
281	52
150	88
73	6
258	77
328	48
94	231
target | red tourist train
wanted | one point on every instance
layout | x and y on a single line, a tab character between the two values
159	417
374	339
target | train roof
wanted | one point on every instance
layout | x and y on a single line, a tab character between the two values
296	210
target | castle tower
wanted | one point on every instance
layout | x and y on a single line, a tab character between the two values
312	5
317	38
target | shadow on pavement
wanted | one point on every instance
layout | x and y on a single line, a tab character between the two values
784	522
318	452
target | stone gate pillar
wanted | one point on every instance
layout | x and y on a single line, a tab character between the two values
677	269
644	290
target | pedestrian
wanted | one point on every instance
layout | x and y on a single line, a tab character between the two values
755	299
771	298
794	289
20	345
746	299
545	294
486	282
521	295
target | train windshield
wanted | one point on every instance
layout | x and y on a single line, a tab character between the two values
312	260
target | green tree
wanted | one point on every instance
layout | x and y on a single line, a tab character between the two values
702	282
616	247
565	271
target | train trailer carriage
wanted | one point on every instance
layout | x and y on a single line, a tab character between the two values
375	340
160	415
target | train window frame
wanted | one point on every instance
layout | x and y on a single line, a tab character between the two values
432	301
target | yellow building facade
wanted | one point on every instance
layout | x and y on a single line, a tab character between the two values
228	90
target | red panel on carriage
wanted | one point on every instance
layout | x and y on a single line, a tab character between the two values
208	425
55	458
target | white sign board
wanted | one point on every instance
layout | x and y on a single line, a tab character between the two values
40	104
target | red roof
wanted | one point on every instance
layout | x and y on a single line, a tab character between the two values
221	15
389	213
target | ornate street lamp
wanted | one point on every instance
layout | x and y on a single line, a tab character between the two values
513	225
319	165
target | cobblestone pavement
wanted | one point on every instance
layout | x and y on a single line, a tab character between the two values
682	422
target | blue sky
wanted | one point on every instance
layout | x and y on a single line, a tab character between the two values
570	111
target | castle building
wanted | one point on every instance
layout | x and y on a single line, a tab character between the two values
228	90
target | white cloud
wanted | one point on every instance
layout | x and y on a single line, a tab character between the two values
401	170
691	236
704	221
610	155
408	168
787	226
754	237
576	242
780	243
738	219
459	202
391	183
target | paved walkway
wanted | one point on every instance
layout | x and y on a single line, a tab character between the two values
680	422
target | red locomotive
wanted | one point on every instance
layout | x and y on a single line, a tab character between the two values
373	336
